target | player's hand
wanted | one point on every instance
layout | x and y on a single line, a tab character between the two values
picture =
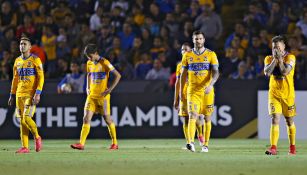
181	97
176	104
11	101
275	53
208	89
106	92
36	99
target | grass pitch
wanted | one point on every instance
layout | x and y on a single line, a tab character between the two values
152	157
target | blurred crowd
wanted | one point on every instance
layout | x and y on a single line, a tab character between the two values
142	39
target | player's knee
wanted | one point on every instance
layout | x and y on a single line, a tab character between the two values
86	120
108	120
193	115
275	119
289	121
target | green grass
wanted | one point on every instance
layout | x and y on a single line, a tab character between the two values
152	157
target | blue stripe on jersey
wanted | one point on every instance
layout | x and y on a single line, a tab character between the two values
26	71
98	75
199	66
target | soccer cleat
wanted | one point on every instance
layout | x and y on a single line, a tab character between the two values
191	147
113	147
23	150
271	151
292	150
38	144
78	146
185	147
204	149
201	140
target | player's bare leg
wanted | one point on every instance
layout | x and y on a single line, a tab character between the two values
112	131
291	129
85	130
274	135
207	132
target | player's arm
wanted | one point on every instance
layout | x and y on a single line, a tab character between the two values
13	86
177	88
40	80
214	73
117	77
269	66
183	75
183	78
88	83
286	67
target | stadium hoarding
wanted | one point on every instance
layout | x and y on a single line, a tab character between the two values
137	115
264	121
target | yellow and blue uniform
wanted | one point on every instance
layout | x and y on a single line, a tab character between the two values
199	68
99	74
281	88
28	79
183	111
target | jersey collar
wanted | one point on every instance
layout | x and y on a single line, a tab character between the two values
197	53
100	58
24	58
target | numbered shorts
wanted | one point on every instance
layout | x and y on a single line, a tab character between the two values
201	103
98	105
282	106
183	108
24	107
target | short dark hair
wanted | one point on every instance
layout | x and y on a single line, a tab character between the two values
90	49
186	44
279	38
25	38
198	32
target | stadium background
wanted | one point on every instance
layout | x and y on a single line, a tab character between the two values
136	34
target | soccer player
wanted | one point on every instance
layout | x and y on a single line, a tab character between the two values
280	68
201	67
27	85
181	105
98	94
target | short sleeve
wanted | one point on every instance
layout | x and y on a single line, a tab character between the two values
290	60
184	61
267	60
178	70
214	60
108	65
87	67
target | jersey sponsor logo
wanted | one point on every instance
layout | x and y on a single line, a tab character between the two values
26	71
98	75
198	66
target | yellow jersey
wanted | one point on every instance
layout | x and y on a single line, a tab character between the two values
199	68
99	75
28	76
178	73
281	86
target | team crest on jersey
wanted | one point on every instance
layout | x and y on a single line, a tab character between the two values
29	64
191	59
